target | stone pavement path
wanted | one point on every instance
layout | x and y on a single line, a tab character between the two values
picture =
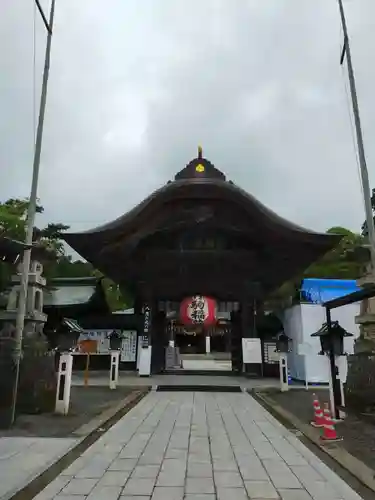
198	446
23	458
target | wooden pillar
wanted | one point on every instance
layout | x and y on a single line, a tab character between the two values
248	318
159	339
236	341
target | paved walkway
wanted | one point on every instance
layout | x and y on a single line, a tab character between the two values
23	458
198	446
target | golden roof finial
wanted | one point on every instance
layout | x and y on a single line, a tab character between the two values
200	152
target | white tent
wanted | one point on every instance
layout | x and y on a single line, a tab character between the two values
300	321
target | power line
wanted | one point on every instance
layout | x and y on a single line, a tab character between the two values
346	53
47	25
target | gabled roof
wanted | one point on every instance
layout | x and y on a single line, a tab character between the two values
200	190
188	201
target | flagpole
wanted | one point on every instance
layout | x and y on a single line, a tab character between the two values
358	128
31	211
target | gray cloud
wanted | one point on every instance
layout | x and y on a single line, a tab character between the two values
136	86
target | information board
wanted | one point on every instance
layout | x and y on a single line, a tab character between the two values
100	336
270	352
128	346
251	351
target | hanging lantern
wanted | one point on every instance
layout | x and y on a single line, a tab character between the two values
198	310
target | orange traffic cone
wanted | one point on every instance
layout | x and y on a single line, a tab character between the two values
329	431
318	414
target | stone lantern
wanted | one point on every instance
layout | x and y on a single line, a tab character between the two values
37	377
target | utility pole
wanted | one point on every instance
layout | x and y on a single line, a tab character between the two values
361	149
31	211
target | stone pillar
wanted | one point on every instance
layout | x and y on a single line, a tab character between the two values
360	384
34	315
366	318
37	377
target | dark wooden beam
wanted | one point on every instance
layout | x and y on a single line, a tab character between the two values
169	289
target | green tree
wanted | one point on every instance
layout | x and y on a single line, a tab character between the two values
341	262
66	267
116	298
13	214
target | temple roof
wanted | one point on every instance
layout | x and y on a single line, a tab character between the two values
199	168
82	294
200	197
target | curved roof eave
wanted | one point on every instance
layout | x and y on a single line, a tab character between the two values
224	189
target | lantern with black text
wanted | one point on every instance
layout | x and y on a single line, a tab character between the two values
198	310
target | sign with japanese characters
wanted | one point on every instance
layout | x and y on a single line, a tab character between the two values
128	346
146	326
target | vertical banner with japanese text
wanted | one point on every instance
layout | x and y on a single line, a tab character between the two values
146	326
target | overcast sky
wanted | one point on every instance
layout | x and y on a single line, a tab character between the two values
136	85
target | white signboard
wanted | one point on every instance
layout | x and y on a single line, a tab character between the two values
103	345
251	351
129	346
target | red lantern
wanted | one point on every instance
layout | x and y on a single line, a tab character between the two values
198	310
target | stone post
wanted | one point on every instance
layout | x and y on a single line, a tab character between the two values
208	342
37	377
366	319
360	383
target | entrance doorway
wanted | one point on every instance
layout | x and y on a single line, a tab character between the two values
202	348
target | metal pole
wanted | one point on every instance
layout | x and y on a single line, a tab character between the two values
20	319
358	128
336	394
